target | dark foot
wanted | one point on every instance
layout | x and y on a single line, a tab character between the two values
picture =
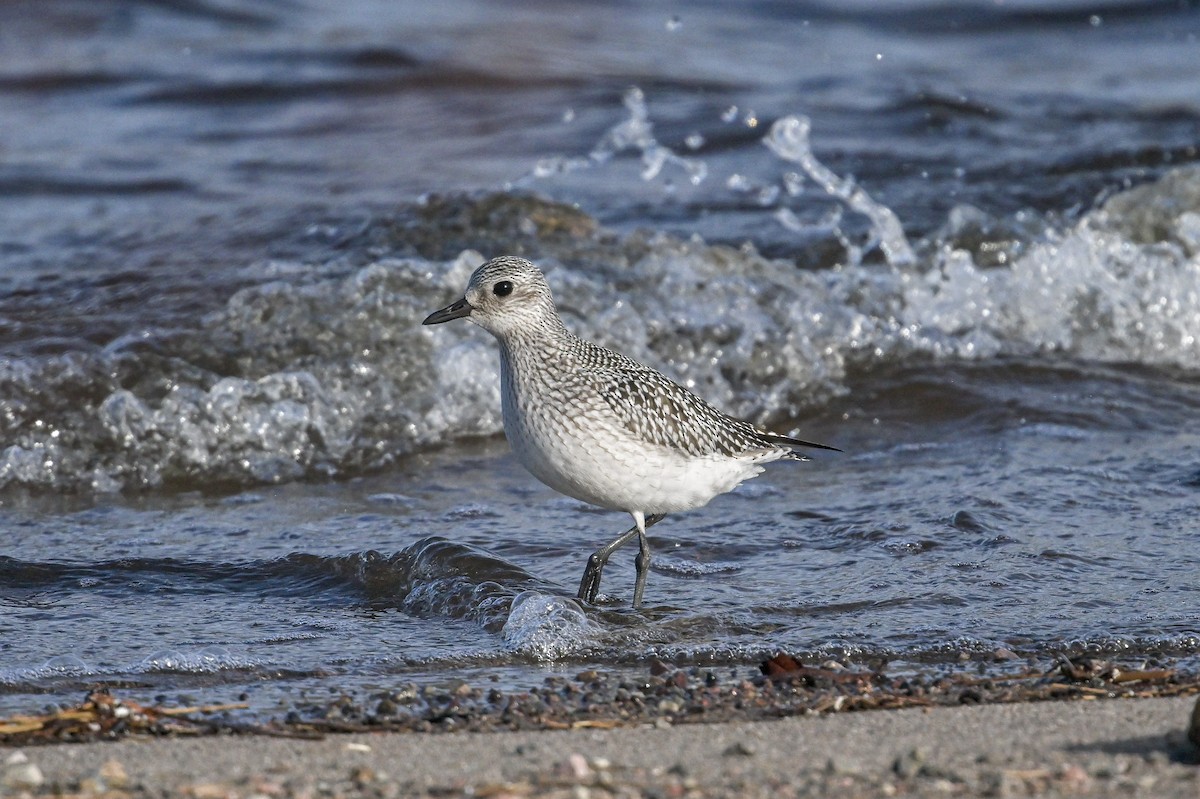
642	565
589	586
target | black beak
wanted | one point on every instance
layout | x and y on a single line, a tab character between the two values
454	310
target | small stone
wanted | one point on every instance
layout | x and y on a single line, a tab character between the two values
908	765
22	777
1075	779
406	693
579	767
591	675
1004	653
114	775
931	771
738	749
662	724
838	764
658	668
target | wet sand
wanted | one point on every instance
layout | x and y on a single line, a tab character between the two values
1126	747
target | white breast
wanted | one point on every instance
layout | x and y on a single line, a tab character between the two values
581	452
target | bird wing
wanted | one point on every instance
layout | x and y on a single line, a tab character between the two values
659	411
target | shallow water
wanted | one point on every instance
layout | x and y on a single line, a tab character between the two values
231	461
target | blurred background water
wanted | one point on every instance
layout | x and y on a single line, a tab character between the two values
961	241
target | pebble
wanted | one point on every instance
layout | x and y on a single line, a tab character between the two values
114	775
738	749
22	776
840	764
578	766
908	765
1075	779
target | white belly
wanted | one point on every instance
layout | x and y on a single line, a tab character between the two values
607	467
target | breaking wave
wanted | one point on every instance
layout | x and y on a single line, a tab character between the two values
325	371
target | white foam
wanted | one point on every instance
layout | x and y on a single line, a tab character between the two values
546	627
206	660
336	374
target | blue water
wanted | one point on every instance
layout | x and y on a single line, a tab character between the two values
231	460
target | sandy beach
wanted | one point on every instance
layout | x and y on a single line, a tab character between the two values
1118	747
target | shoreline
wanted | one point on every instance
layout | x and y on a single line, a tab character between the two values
1096	747
1079	728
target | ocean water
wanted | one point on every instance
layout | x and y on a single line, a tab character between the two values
960	241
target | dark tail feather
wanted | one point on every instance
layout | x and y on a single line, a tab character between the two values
788	441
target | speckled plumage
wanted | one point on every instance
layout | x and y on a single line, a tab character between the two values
600	427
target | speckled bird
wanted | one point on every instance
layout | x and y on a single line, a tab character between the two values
601	427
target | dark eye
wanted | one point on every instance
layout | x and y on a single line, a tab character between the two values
503	288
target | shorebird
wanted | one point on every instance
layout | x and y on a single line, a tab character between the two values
600	427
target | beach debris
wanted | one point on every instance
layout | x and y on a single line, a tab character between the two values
104	716
662	695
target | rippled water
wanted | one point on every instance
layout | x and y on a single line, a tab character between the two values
232	461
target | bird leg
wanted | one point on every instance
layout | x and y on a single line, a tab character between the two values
589	587
642	562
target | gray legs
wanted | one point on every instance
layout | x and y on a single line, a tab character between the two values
590	585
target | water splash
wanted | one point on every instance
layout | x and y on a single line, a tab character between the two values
636	133
789	140
312	375
546	627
